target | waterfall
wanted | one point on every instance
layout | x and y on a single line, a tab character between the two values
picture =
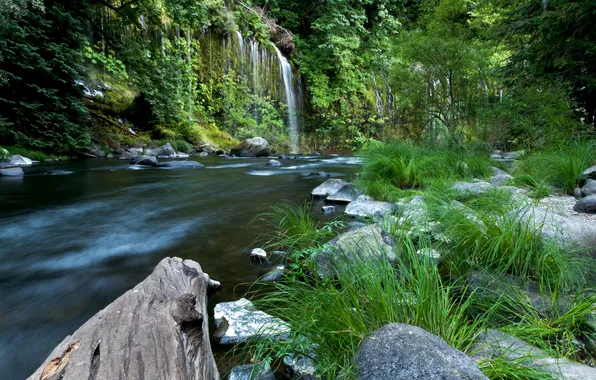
254	63
379	99
286	72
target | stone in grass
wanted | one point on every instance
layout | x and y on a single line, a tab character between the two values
346	194
589	187
252	372
328	187
496	171
258	255
493	344
274	275
432	254
328	209
500	179
586	205
370	209
300	367
239	321
467	188
399	351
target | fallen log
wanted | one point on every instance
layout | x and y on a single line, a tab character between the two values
157	330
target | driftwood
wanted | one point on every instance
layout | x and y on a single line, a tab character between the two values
158	330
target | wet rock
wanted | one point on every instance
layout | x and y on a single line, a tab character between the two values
165	150
252	372
18	160
589	187
364	243
258	255
347	193
11	171
399	351
274	275
493	344
586	205
329	187
467	188
181	165
238	321
182	155
328	209
203	154
500	179
370	209
254	147
273	163
144	160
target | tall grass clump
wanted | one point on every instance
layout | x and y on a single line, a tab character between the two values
561	167
178	145
391	168
334	316
293	227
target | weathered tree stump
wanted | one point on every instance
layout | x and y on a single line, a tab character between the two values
158	330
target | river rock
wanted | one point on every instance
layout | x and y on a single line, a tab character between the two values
258	255
18	160
586	205
254	147
476	188
11	171
511	155
239	321
399	351
274	275
496	171
157	330
300	367
589	187
328	209
252	372
370	209
181	165
273	163
494	344
500	179
319	174
164	150
126	156
329	187
347	193
144	160
364	243
577	193
589	173
496	156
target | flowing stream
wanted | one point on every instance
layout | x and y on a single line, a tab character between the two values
77	235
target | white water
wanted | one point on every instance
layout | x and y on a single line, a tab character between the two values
286	72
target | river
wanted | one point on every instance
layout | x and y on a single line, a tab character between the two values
74	236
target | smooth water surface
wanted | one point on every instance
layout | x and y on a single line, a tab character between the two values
75	236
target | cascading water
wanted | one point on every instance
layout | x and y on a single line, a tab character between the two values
286	72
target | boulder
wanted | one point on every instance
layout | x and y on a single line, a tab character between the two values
181	165
18	160
11	171
258	255
500	179
239	321
399	351
254	147
494	344
589	187
363	243
347	193
273	163
144	160
275	274
331	186
252	372
157	330
577	193
586	205
370	209
511	155
165	151
496	171
476	188
328	209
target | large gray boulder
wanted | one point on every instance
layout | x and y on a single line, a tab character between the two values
361	208
165	151
494	344
239	321
144	160
254	147
475	188
11	171
359	244
181	165
329	187
157	330
399	351
347	193
586	205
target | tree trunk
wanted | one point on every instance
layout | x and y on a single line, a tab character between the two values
158	330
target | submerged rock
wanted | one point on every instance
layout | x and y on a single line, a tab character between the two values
252	372
493	344
399	351
347	193
329	187
258	255
254	147
273	163
144	160
181	165
370	209
236	322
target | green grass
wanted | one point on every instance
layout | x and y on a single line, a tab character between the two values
501	368
178	145
561	167
391	168
35	155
